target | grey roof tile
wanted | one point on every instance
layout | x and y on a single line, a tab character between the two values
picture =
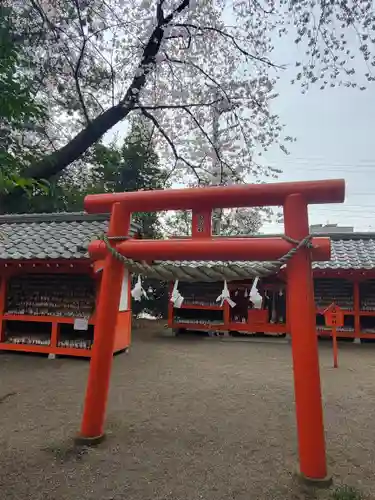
354	252
49	236
60	236
351	253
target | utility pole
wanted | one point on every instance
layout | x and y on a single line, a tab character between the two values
216	162
221	106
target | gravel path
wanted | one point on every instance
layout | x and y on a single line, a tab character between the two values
187	420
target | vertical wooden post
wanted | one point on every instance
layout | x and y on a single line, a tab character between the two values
356	309
130	303
287	309
305	354
92	427
54	334
170	307
335	349
226	315
3	293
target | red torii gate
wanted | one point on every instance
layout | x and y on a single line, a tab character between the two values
295	198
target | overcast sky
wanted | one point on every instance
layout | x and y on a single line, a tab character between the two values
335	139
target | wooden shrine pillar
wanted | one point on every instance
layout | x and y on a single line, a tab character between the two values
92	427
301	317
357	308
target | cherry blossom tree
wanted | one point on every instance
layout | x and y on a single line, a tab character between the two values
175	61
18	111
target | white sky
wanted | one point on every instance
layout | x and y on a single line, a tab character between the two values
335	139
334	131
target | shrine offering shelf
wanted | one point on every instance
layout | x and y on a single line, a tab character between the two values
367	295
62	351
63	295
338	290
203	295
30	333
56	335
53	313
200	315
196	322
367	324
355	297
189	305
42	319
340	329
268	329
68	337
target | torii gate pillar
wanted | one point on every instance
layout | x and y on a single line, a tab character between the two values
302	322
92	427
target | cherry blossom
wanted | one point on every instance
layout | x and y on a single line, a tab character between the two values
202	72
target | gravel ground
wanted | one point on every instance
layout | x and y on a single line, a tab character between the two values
188	419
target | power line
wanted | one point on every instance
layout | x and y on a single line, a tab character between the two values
354	209
324	163
299	165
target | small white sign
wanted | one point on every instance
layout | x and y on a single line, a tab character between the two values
81	324
124	298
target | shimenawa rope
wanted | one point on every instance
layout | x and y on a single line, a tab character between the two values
204	271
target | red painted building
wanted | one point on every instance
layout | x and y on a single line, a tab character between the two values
49	286
348	279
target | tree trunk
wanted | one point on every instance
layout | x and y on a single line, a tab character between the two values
57	161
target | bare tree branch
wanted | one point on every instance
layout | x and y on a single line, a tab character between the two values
178	106
233	40
159	12
198	68
177	156
75	69
77	84
79	61
180	8
214	146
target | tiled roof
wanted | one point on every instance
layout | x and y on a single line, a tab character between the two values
49	236
63	235
355	251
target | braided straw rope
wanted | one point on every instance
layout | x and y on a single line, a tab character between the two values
191	271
